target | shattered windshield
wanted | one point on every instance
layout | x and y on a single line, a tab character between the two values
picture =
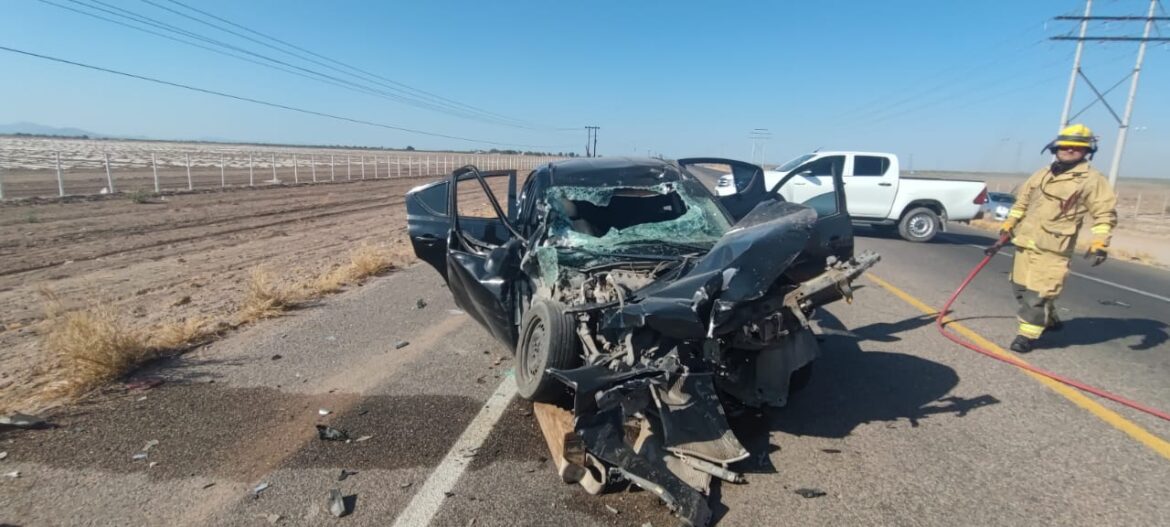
608	219
794	163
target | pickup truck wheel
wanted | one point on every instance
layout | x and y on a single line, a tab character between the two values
548	339
919	225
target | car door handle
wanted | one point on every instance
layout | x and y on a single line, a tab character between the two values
427	239
885	184
799	183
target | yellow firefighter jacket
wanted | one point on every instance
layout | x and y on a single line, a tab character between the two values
1051	209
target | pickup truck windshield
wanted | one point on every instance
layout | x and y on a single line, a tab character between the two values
794	163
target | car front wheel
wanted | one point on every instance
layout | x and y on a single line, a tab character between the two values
548	339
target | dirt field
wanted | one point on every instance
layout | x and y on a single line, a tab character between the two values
181	256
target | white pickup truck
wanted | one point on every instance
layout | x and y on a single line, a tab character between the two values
878	194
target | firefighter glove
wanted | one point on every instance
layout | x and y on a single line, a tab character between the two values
1097	252
1008	225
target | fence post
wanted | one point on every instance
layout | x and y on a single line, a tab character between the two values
222	174
348	168
428	171
153	169
363	167
251	173
398	166
190	184
109	176
313	160
332	173
375	167
1137	209
60	180
296	176
274	180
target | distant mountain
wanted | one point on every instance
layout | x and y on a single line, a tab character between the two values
40	129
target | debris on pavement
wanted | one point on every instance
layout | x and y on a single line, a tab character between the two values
420	304
830	451
363	438
149	445
612	510
3	455
405	485
208	486
401	344
345	474
337	503
323	412
272	518
811	493
14	474
331	338
456	312
139	456
277	357
259	488
19	420
328	433
1117	303
152	464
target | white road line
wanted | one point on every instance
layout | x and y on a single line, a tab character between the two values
1095	279
427	501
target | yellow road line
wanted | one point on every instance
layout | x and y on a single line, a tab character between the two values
1143	436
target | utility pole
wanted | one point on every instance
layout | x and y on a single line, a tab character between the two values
759	137
1123	122
591	141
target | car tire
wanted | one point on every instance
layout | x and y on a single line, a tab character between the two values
919	225
548	339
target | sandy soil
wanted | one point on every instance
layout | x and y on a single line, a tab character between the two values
179	256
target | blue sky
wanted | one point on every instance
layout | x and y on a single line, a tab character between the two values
956	85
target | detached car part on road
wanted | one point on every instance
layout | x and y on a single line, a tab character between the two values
635	296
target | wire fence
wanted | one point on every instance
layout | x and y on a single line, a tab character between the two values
27	174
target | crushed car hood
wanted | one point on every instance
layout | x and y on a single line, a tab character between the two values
742	266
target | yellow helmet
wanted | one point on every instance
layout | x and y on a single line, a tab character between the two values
1074	135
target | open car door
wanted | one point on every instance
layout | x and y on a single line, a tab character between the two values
483	249
833	233
749	182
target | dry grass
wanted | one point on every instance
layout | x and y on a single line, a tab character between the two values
91	347
364	262
88	347
181	333
265	298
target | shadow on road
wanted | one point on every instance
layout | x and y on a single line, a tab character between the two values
1089	331
851	387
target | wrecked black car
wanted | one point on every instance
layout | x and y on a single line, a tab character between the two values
633	295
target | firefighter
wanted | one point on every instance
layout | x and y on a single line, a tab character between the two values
1044	224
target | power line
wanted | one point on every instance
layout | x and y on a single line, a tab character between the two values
435	99
366	74
265	103
1134	75
314	75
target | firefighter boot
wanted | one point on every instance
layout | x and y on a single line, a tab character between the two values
1022	344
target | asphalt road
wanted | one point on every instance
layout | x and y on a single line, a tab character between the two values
898	426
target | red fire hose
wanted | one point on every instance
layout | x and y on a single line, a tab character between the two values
941	321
